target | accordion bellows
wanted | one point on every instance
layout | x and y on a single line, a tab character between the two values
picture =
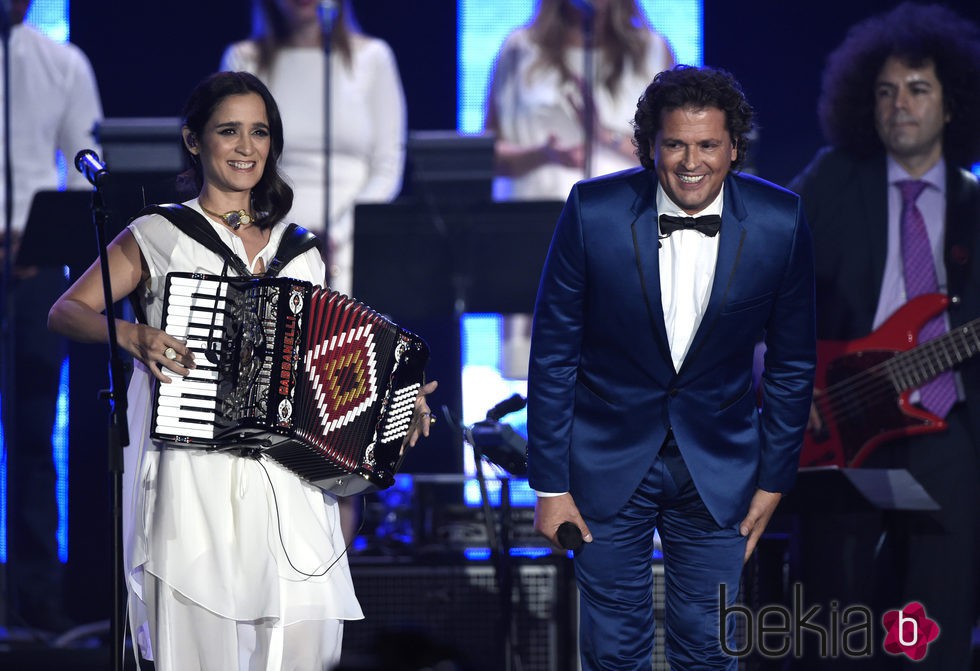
310	377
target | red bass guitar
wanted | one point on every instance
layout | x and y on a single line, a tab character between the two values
862	387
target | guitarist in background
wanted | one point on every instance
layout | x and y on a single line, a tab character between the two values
900	105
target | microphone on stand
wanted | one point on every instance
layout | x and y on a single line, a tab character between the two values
505	407
5	19
587	7
326	11
87	162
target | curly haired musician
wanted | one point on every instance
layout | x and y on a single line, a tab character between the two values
900	106
232	562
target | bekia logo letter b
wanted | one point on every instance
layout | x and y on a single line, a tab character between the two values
909	631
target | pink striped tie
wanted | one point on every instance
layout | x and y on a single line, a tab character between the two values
939	394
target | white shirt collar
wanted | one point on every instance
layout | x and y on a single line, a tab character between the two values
934	176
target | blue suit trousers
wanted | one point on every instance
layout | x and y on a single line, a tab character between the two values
615	577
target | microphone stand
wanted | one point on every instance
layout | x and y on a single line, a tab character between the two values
327	11
500	545
118	433
500	554
588	83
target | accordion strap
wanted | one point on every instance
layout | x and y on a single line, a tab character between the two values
196	226
295	241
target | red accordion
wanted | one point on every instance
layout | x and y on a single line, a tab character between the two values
317	381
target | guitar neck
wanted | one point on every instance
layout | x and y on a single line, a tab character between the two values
910	369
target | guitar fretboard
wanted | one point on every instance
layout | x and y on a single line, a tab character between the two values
910	369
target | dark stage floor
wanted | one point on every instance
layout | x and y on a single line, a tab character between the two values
85	649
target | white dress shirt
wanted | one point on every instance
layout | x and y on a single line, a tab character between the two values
54	106
687	269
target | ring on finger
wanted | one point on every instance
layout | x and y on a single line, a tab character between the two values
170	353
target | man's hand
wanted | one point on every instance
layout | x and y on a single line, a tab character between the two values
815	422
761	509
551	511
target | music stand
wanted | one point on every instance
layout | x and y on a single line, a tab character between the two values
508	243
427	266
143	156
402	262
830	489
411	262
445	167
59	231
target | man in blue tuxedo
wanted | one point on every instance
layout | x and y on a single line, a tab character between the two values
642	411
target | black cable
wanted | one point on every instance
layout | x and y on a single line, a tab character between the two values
282	541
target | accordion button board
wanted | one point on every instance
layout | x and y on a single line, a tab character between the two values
309	377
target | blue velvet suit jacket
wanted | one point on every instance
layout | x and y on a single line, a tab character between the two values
603	391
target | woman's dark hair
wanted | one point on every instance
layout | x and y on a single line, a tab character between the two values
685	86
271	197
271	31
917	35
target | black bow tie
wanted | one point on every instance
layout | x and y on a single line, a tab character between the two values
708	224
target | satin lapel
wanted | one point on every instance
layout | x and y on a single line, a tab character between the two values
646	248
732	235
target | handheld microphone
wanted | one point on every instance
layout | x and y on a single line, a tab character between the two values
87	162
569	536
507	406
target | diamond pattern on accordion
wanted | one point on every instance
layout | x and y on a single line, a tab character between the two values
342	373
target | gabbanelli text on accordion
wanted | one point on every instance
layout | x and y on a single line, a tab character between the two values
310	377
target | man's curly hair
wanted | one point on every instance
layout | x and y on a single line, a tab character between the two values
915	34
686	86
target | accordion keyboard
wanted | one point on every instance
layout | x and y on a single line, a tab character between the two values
195	314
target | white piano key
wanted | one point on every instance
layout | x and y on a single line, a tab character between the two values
182	415
185	431
186	401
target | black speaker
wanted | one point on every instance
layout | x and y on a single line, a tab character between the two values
419	614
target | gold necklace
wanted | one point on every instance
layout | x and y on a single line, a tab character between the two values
235	218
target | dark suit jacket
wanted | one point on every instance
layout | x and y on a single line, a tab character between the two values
603	391
846	203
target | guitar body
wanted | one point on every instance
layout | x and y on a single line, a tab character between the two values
865	409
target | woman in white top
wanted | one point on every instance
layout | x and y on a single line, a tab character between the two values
231	561
367	116
536	103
